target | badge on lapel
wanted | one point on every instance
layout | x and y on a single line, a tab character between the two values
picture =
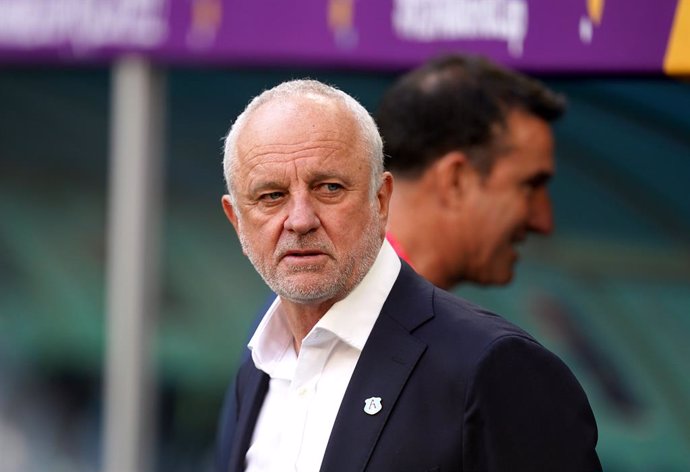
372	405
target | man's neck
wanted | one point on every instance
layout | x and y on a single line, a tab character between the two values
301	318
413	222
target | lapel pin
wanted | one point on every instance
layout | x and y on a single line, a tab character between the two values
372	405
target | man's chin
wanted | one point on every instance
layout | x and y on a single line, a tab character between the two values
499	276
306	296
305	287
503	280
505	276
503	271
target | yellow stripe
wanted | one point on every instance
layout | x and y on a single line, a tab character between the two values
677	60
595	9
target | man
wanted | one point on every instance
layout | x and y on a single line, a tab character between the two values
471	149
361	364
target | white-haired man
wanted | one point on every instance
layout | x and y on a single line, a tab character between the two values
361	364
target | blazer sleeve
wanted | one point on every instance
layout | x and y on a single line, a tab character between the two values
226	429
525	411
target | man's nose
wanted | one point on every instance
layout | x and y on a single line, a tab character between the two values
541	216
302	217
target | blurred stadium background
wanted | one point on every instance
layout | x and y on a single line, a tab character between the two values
609	291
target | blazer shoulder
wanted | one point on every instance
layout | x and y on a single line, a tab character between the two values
525	410
476	326
444	321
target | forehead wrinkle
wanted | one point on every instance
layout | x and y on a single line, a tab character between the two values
263	155
279	176
261	150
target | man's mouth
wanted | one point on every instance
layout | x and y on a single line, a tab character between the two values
303	255
518	238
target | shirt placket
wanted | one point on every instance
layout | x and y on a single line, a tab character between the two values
311	362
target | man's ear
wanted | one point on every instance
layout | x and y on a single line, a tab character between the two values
453	173
384	195
229	211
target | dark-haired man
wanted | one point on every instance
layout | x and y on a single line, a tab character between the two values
471	149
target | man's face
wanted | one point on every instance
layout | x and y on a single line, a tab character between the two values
501	208
304	210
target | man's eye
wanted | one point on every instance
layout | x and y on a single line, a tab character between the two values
271	196
331	187
538	181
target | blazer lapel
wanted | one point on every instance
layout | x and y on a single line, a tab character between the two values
387	360
252	397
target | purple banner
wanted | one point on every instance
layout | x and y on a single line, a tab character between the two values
535	35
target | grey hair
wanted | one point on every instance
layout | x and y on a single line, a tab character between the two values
369	133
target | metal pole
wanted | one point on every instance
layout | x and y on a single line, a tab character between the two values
136	168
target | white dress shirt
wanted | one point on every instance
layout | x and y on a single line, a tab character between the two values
305	390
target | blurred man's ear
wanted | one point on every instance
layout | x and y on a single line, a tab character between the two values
453	173
229	211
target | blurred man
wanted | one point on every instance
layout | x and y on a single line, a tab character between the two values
361	364
471	149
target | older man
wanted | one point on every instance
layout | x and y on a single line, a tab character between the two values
361	364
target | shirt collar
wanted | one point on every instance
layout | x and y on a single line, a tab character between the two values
350	319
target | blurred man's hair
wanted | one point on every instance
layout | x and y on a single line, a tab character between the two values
456	102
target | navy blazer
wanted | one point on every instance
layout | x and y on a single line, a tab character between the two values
462	389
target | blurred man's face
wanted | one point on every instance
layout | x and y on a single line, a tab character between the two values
305	214
502	208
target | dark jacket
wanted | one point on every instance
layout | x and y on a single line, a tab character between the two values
462	389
